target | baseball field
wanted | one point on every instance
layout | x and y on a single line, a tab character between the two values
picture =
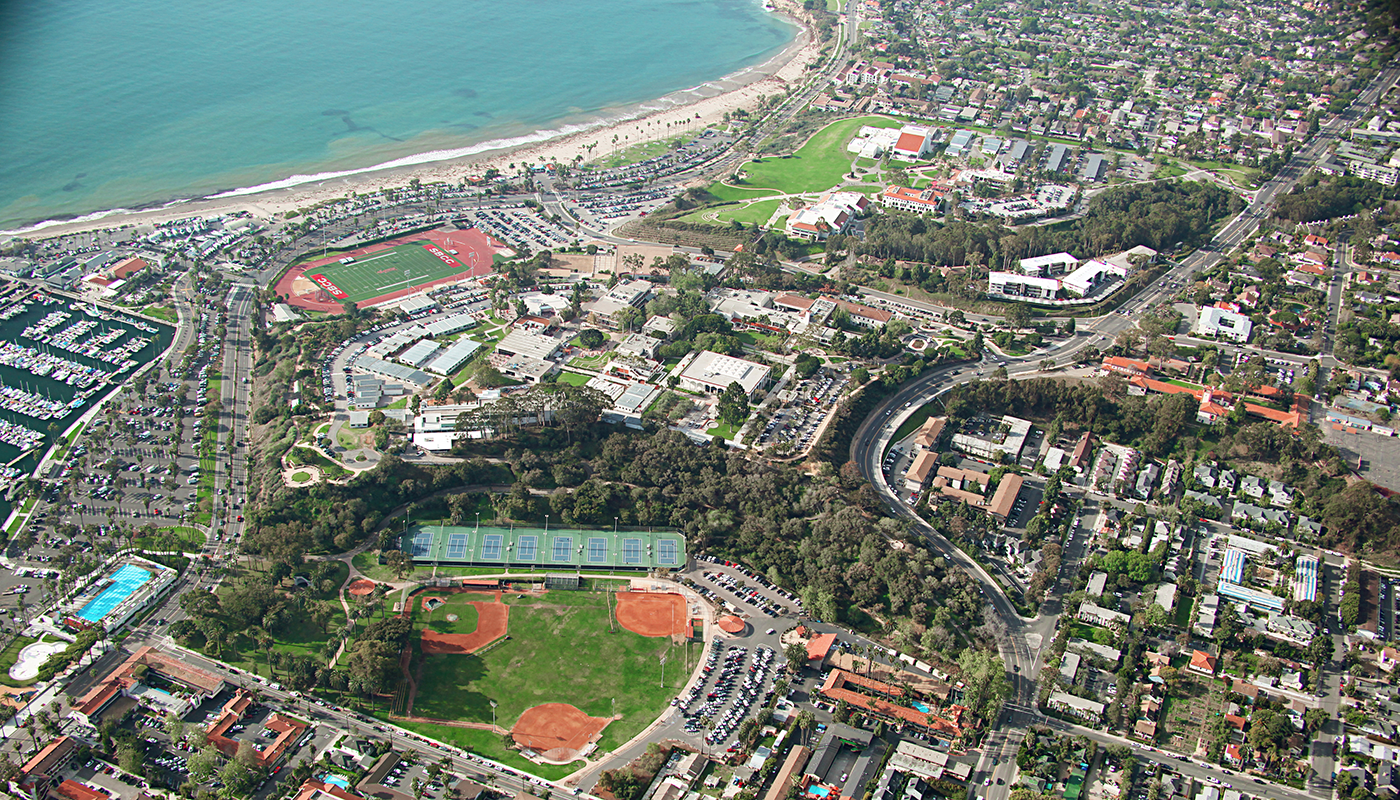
561	668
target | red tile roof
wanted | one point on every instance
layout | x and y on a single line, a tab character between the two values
818	646
76	791
1205	662
910	143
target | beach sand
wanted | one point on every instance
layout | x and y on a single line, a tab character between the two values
713	100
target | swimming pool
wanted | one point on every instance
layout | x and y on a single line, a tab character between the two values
818	790
125	582
337	780
922	707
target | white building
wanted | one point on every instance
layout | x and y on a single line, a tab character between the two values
915	201
1052	264
873	142
712	373
1214	321
1089	276
529	345
833	213
1011	284
913	143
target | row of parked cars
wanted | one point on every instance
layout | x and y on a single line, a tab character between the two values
760	580
745	593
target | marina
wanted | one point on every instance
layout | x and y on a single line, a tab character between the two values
58	357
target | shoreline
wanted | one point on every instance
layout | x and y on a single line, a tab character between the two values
695	108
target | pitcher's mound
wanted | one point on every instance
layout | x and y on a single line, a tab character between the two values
653	614
557	731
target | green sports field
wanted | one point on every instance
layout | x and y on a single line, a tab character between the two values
385	271
560	649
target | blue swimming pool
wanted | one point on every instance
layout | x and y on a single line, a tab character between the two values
921	707
125	581
818	790
337	780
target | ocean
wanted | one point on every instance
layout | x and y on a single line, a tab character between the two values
138	103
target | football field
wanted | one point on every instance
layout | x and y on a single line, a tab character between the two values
385	271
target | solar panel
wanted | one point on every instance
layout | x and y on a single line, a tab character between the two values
457	545
422	543
563	549
666	552
526	546
631	551
491	545
597	550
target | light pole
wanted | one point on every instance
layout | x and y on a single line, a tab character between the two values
478	522
493	716
663	671
614	526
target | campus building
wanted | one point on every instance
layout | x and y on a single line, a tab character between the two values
285	731
832	214
711	373
1012	284
915	201
891	702
552	548
130	586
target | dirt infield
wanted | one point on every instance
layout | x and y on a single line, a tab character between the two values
492	622
557	731
653	614
476	250
361	587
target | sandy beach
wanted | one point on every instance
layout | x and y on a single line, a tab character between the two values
690	110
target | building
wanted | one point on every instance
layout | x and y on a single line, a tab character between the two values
917	477
1232	566
1090	276
390	371
525	369
832	214
711	373
915	201
118	692
1094	167
1069	668
914	142
1012	284
1075	706
626	294
875	697
313	789
453	357
1223	323
529	345
929	433
1098	581
40	774
1202	663
1264	601
285	730
1305	578
1005	437
1056	158
1095	614
358	419
1049	265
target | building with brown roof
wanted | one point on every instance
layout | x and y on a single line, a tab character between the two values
788	773
1202	663
287	730
917	476
871	696
40	773
316	790
107	694
927	437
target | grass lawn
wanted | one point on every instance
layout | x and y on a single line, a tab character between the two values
752	214
818	164
402	402
161	312
458	604
725	192
912	424
756	339
297	633
591	362
724	431
301	476
574	378
641	152
181	538
305	456
560	649
9	656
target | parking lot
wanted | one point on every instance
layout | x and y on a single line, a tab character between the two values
743	590
795	425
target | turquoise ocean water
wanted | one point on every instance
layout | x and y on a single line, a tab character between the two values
135	103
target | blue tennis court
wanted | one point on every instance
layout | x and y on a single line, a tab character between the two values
125	582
